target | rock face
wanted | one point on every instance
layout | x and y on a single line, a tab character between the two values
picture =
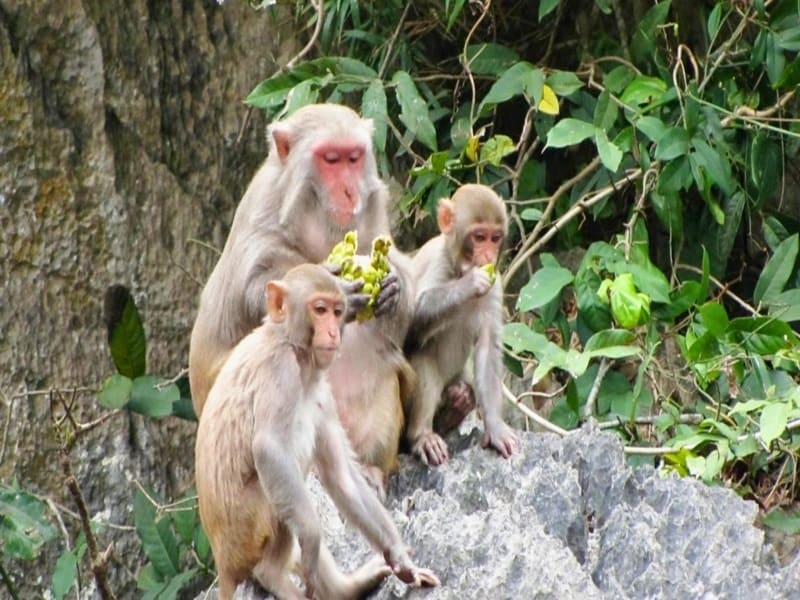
567	518
123	138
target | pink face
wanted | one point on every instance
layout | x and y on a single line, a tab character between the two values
326	312
482	244
340	166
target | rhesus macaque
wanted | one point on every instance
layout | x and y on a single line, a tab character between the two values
458	312
269	417
318	182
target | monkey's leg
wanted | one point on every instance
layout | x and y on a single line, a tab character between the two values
425	443
459	401
353	585
272	571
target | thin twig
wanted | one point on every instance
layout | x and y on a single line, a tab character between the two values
622	28
533	415
8	583
392	41
687	419
591	400
638	209
745	111
465	62
318	6
722	286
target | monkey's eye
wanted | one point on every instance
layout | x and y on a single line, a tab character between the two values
479	236
331	157
497	238
320	309
355	157
338	311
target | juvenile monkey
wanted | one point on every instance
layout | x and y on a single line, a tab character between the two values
269	417
318	182
458	312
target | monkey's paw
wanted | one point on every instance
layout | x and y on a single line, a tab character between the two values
388	296
502	438
431	449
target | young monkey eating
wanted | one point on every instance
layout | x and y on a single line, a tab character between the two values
458	312
269	417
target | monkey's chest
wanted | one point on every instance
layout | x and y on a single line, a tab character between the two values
303	430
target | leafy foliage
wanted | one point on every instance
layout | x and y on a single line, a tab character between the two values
660	160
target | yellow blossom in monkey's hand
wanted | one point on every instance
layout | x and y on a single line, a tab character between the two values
491	272
344	255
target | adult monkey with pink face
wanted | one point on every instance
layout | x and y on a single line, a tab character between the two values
318	182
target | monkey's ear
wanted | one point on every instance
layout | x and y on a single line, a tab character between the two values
282	141
276	301
444	215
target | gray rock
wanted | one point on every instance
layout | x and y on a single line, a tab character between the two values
566	518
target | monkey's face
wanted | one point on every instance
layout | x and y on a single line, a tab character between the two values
339	167
326	316
482	244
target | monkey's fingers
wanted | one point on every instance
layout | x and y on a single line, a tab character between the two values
506	442
332	268
355	304
388	296
427	578
432	449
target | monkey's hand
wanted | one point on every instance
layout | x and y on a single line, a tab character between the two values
356	301
406	571
502	438
477	281
389	295
431	449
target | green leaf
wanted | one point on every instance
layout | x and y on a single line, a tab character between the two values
513	82
777	271
116	391
714	162
786	306
609	338
643	44
653	127
126	337
605	111
790	76
490	58
568	132
304	93
373	106
563	82
714	318
23	526
201	545
542	287
788	523
764	336
65	574
773	421
531	214
775	59
546	7
617	78
643	90
610	154
496	148
158	542
176	584
272	92
714	21
149	400
414	110
674	143
648	279
184	517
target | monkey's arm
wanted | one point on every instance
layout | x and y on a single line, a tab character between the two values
352	494
437	300
284	484
488	366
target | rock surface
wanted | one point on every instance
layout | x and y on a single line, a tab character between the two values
567	518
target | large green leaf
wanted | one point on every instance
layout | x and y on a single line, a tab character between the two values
546	7
784	521
116	391
568	132
126	337
414	111
764	335
786	306
643	90
23	526
773	421
157	539
65	574
643	44
373	106
150	397
515	81
673	143
544	285
563	83
777	271
490	58
610	154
